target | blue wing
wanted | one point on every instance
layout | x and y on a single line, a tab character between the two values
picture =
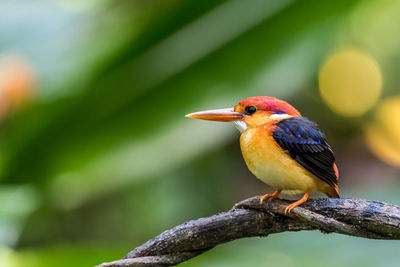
306	144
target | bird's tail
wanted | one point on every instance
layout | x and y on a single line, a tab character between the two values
333	192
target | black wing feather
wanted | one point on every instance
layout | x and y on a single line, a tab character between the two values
306	144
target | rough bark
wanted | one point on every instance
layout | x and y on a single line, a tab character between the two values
355	217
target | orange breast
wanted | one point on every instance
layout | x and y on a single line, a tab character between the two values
269	163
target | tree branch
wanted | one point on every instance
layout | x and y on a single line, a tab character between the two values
355	217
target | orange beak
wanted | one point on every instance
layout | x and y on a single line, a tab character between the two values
225	114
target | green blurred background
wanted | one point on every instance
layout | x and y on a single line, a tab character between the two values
96	155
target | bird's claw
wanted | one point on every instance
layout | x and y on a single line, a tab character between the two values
267	196
297	203
289	209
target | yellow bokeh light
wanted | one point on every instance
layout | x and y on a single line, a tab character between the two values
383	135
350	82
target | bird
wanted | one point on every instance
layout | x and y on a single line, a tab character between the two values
280	147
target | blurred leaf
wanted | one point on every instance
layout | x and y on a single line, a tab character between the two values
16	203
61	255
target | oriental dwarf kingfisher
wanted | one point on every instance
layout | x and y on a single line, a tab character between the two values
280	147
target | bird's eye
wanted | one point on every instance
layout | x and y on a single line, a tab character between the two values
250	110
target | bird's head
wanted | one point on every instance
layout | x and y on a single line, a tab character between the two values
251	112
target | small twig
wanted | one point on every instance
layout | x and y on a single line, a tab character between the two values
354	217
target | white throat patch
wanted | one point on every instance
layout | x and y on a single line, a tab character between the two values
240	125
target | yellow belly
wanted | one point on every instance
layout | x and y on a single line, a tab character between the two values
269	163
